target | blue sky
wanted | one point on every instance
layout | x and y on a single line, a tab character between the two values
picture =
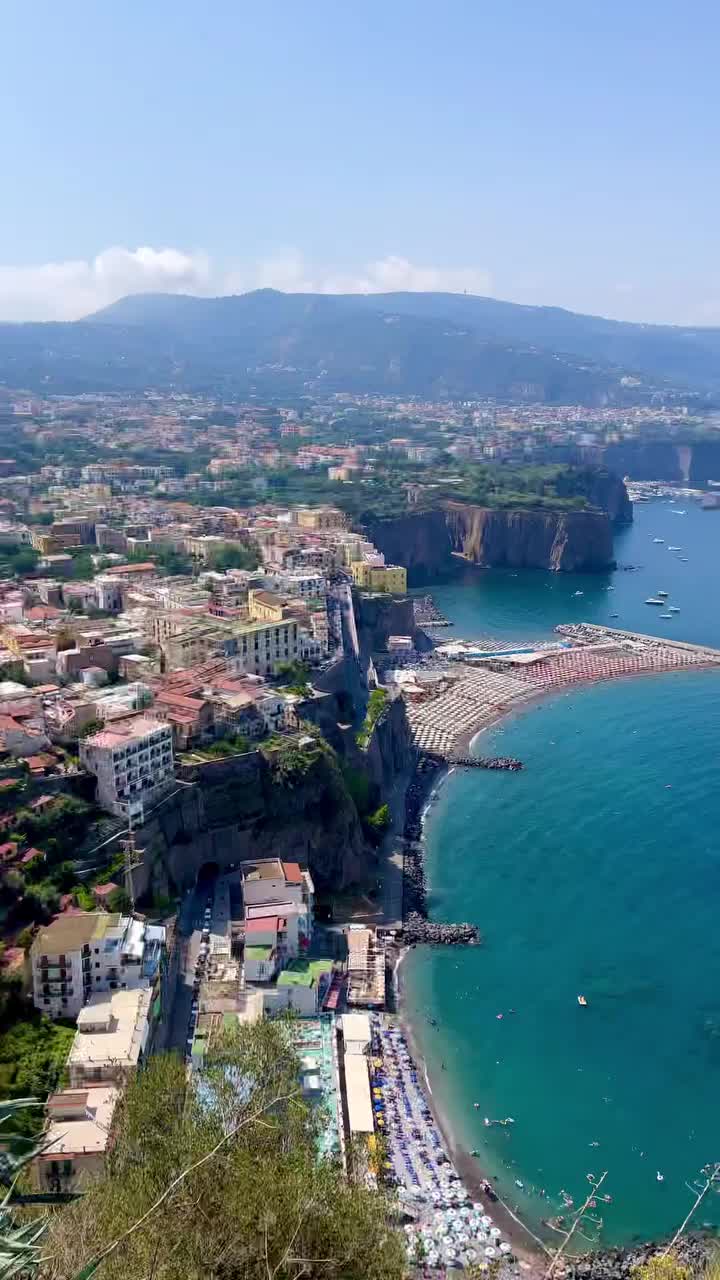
546	152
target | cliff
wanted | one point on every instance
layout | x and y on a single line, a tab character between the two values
294	806
428	543
602	487
685	462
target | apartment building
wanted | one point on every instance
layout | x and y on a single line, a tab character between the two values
278	900
260	648
112	1036
76	956
321	518
77	1137
391	578
133	762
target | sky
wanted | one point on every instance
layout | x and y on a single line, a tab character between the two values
542	151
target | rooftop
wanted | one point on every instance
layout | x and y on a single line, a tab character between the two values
79	1121
69	934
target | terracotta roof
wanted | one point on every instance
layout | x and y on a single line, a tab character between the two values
293	874
262	925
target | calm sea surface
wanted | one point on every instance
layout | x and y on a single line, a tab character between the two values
595	871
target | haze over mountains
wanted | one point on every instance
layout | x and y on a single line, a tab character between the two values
428	344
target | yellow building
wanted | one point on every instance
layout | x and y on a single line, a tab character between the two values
391	578
265	606
319	518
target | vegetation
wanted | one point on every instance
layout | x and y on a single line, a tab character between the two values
289	761
234	556
33	1052
227	1185
377	703
234	744
662	1267
376	823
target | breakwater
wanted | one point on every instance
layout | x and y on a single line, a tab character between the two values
619	1264
508	764
427	613
416	926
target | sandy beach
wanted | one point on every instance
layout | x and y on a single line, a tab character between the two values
529	1249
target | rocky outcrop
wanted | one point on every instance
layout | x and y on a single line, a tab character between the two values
380	616
428	543
691	1252
603	489
246	806
390	750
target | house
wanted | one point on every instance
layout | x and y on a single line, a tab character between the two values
77	1137
112	1036
76	956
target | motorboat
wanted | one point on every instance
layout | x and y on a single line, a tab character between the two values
655	600
674	608
674	548
658	539
666	615
614	615
582	1001
578	593
677	512
662	593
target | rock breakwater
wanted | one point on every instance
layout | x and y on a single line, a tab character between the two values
619	1264
416	926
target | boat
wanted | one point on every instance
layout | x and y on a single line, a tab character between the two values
614	615
684	559
582	1001
662	593
678	513
674	548
578	593
674	608
666	615
654	600
658	539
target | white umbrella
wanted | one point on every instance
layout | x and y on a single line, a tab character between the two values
490	1252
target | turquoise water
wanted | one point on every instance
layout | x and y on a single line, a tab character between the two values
595	871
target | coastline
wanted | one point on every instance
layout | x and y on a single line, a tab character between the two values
529	1249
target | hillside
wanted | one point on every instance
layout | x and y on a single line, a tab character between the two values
434	345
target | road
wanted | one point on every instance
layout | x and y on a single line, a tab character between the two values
189	926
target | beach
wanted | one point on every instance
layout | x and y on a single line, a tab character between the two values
528	1249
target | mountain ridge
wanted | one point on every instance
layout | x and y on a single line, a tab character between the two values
437	345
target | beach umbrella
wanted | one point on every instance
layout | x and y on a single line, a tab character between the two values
487	1222
495	1232
505	1247
490	1252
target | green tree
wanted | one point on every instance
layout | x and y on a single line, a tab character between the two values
119	900
226	1184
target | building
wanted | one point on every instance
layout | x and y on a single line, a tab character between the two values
78	955
320	518
270	881
391	578
112	1036
76	1137
133	762
262	647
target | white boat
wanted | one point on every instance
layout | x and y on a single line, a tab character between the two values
684	559
578	593
666	615
658	539
678	513
654	600
674	608
674	548
664	594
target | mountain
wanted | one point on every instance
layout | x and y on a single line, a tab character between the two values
429	344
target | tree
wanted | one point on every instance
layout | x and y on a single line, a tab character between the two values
119	900
234	556
228	1183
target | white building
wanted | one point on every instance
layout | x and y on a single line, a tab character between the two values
113	1031
76	1137
133	763
269	882
77	956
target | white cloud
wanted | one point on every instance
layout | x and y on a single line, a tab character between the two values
69	290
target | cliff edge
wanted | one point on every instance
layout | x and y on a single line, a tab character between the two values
430	543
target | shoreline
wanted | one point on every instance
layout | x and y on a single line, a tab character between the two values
530	1251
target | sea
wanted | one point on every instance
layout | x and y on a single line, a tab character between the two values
594	872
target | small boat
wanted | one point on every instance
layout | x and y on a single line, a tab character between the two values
665	615
582	1001
678	513
614	615
660	1176
578	593
658	539
655	600
662	593
674	548
674	608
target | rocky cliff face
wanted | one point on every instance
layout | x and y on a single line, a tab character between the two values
603	488
245	807
428	543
